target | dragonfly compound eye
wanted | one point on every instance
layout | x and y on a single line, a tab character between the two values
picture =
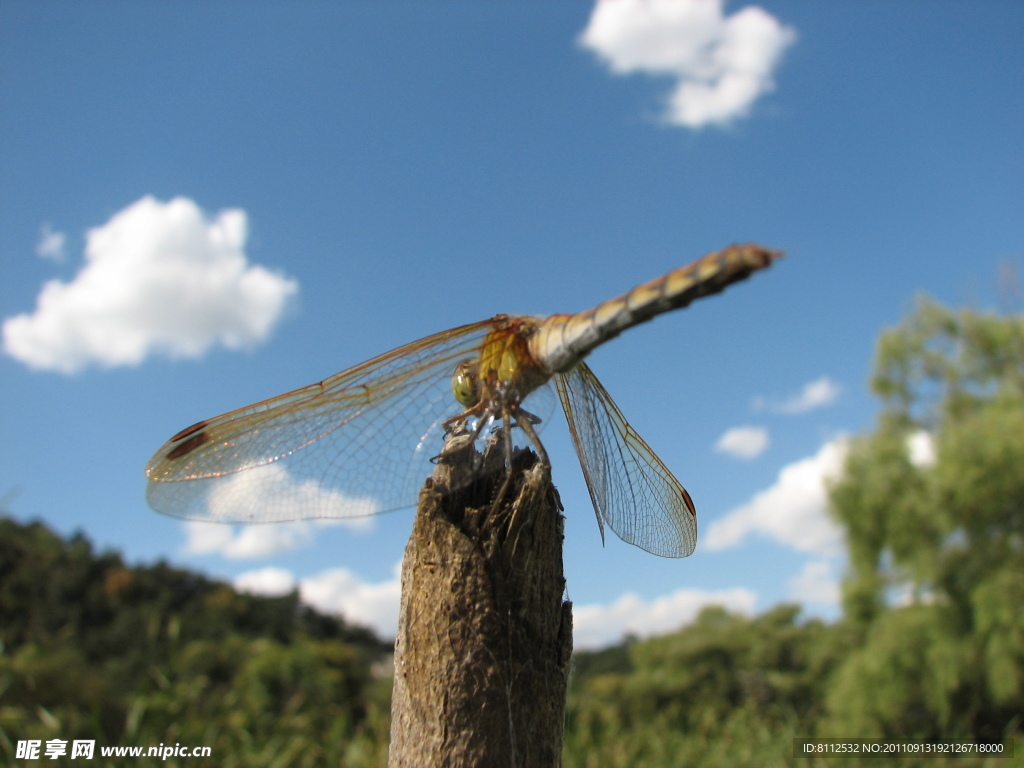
466	384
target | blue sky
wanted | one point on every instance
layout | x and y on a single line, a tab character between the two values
271	193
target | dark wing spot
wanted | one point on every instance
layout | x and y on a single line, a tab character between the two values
189	430
189	445
689	503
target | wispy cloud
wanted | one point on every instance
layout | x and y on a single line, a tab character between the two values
246	542
595	626
375	605
792	512
721	64
270	581
815	394
270	493
51	244
159	278
337	591
342	592
816	584
743	442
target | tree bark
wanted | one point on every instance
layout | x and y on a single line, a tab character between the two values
484	637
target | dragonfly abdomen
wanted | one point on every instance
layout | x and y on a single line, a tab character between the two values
563	340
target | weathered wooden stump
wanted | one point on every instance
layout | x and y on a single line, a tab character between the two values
484	637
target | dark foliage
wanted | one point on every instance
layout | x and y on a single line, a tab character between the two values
92	648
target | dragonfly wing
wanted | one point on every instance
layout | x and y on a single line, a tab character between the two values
357	443
632	490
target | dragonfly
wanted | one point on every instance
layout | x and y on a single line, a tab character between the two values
361	442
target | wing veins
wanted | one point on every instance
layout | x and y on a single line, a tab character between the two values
661	519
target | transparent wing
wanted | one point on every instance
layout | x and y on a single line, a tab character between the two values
631	488
355	444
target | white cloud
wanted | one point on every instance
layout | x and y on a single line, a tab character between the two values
159	278
921	449
596	626
793	511
721	64
51	244
264	495
278	496
246	541
815	394
743	442
340	591
337	591
816	583
272	582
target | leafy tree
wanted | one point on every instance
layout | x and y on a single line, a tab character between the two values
936	580
726	690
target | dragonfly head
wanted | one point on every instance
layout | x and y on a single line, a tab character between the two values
466	384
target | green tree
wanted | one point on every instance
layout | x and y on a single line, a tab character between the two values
726	690
935	587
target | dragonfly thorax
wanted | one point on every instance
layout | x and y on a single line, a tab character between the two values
504	372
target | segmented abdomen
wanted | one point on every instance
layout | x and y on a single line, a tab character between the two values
564	340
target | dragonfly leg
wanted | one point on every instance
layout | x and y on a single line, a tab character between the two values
468	437
526	420
527	426
531	417
447	423
507	421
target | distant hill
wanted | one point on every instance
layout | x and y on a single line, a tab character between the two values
93	648
54	588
